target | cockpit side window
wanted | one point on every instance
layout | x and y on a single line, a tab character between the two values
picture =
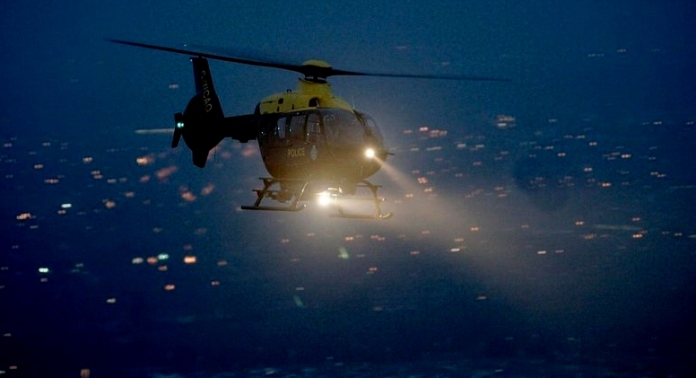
297	127
314	131
313	123
280	127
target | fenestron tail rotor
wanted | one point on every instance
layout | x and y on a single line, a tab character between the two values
311	68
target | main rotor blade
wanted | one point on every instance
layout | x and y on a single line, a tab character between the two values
337	72
291	67
418	76
305	69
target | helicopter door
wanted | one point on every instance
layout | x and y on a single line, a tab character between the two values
306	139
298	152
296	129
273	143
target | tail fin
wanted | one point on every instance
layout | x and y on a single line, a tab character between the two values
205	89
201	122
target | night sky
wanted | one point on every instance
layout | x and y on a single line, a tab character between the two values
542	226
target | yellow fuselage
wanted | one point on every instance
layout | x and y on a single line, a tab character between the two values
311	134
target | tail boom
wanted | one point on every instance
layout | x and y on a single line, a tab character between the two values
203	124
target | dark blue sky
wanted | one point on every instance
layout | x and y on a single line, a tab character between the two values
60	72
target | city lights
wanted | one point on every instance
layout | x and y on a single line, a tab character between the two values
465	198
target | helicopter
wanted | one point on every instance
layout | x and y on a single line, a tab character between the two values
314	145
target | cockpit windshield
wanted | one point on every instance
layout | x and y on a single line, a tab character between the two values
373	130
336	127
343	128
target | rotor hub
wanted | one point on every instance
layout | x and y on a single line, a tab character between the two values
316	70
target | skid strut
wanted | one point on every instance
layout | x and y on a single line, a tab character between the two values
282	191
379	214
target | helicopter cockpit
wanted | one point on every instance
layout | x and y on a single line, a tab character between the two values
339	130
345	129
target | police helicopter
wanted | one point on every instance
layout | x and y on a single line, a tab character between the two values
314	145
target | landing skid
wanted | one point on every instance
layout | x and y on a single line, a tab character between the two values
288	193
